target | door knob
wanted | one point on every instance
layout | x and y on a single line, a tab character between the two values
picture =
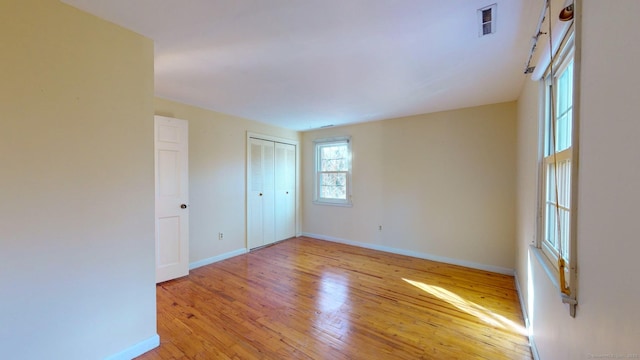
183	206
260	194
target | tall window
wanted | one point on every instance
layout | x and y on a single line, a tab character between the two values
333	171
557	161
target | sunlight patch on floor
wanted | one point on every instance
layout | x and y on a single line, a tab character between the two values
469	307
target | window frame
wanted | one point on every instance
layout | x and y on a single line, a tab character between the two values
566	56
551	156
318	145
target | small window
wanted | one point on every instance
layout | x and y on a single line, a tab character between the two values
487	20
333	171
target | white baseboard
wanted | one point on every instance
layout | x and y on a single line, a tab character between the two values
137	349
525	314
211	260
527	321
442	259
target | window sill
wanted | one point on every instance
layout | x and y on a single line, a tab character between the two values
549	268
316	202
552	274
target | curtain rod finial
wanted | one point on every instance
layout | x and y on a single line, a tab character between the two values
567	13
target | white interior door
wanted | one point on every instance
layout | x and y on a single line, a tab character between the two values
172	212
285	191
260	194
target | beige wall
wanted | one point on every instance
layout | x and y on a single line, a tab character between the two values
527	177
607	321
76	184
217	176
441	185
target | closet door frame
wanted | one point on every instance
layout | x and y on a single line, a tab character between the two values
275	139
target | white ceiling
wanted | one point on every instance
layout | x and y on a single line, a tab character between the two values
303	64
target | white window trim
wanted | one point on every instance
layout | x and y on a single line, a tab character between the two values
548	249
569	49
560	64
316	170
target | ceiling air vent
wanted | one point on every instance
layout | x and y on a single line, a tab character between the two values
487	20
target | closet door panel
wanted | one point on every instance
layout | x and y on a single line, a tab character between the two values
268	198
285	191
260	194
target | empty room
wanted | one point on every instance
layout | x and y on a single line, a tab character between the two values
357	179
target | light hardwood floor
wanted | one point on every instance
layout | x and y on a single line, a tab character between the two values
311	299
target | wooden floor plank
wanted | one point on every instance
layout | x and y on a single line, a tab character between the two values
310	299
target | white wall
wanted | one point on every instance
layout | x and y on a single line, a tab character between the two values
76	184
440	184
607	321
217	177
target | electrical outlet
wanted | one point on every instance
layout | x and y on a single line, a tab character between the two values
379	227
220	236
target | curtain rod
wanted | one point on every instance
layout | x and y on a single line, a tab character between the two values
534	39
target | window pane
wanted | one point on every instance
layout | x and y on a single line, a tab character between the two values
564	223
333	186
564	184
551	184
486	15
486	28
562	88
564	94
551	229
548	147
560	242
563	131
334	158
